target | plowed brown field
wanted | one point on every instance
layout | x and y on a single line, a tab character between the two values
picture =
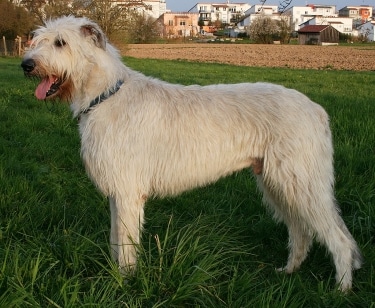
356	58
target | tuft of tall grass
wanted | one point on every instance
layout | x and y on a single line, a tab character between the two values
213	246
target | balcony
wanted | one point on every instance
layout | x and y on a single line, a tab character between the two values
205	16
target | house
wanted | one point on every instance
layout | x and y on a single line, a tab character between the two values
257	11
318	35
220	13
300	14
260	10
367	30
342	24
175	25
359	14
153	8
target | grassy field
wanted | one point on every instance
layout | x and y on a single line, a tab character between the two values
211	247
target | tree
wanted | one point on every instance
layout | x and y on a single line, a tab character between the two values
283	5
117	18
218	24
263	29
35	9
57	8
42	10
284	30
14	20
111	17
143	29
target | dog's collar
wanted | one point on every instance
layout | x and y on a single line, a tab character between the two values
102	97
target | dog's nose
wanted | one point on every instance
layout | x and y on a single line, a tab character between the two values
28	65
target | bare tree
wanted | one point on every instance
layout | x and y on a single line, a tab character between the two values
43	10
283	5
284	29
112	16
143	29
56	8
108	15
117	18
35	9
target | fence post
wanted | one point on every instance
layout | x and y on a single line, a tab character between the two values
5	47
19	45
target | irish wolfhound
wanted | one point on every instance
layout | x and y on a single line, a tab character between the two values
142	137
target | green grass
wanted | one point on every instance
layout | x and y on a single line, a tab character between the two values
211	247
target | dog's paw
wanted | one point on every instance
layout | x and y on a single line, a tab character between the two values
285	270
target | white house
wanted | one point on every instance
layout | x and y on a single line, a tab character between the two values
341	24
262	8
153	8
255	11
301	14
368	30
226	13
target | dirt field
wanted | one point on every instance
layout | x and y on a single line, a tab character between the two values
293	56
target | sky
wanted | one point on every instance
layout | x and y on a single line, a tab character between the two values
186	5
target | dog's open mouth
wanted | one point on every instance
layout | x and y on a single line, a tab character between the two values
49	86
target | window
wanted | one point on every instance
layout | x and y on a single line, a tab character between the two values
170	22
182	23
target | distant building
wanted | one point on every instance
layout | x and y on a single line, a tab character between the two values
175	25
341	24
261	10
224	13
301	14
318	35
257	11
153	8
367	30
359	14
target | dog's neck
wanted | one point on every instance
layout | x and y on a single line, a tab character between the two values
102	97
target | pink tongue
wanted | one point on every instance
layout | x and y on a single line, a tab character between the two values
43	87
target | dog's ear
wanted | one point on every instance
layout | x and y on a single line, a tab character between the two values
95	33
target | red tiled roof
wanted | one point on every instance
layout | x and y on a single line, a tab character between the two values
313	28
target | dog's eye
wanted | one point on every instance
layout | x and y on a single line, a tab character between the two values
60	43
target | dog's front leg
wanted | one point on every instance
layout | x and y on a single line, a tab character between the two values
126	225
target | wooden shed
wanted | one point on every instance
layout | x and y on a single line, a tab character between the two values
317	35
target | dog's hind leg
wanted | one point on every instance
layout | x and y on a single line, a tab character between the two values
305	202
126	226
300	238
331	231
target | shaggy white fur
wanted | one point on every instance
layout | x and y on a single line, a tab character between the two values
147	137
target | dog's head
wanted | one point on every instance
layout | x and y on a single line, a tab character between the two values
60	54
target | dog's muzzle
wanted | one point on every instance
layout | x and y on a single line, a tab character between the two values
28	65
50	84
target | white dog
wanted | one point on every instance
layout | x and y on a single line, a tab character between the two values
143	137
